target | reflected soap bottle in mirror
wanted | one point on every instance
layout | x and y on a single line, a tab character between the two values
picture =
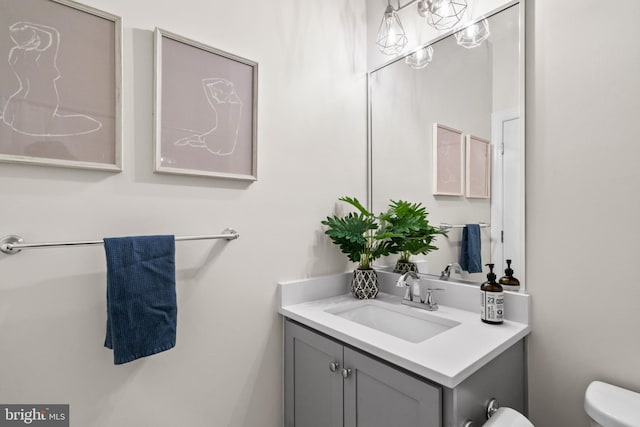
508	282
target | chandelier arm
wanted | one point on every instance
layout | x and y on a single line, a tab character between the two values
400	7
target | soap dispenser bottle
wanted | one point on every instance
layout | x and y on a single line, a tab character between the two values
508	282
491	299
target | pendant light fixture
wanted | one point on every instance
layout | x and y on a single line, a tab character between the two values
442	14
391	36
420	58
473	35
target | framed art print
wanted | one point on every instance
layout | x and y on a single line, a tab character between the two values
478	168
205	110
448	161
60	102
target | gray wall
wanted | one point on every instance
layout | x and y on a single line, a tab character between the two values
583	201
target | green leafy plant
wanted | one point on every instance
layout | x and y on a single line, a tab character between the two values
411	232
360	235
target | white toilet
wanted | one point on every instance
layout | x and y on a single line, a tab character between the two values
507	417
606	405
502	417
611	406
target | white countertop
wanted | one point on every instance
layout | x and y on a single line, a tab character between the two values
447	358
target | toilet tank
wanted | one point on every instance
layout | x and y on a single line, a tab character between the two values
612	406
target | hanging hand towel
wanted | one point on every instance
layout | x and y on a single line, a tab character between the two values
141	296
470	258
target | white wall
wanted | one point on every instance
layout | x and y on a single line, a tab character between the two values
226	367
583	202
505	53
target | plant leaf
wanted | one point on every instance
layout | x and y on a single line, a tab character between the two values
410	229
356	204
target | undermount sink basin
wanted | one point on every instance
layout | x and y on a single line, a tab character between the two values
401	322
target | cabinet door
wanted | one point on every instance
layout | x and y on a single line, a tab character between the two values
377	395
313	392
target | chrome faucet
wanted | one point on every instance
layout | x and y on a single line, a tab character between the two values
413	289
446	273
412	295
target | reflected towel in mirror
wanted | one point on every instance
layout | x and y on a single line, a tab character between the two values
470	251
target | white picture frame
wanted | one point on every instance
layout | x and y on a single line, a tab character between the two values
205	110
448	161
72	117
478	170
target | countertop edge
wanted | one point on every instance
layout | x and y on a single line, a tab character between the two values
305	302
423	371
450	381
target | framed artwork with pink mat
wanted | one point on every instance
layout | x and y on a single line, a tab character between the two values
448	161
60	91
205	110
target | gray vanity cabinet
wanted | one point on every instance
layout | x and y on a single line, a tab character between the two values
330	385
313	386
377	395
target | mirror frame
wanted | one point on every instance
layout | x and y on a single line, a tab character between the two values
521	106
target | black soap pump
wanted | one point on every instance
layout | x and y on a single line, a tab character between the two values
492	299
508	282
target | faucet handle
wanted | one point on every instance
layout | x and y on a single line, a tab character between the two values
430	301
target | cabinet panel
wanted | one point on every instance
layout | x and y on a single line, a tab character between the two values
313	393
377	395
503	378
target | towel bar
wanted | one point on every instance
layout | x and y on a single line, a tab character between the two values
446	226
12	244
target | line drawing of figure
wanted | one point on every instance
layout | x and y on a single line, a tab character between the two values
220	140
33	109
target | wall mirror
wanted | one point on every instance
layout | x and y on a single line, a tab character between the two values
477	89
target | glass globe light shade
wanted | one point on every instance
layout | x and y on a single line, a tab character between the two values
420	58
442	14
473	35
424	7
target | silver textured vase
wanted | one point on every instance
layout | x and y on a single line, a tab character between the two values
364	284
